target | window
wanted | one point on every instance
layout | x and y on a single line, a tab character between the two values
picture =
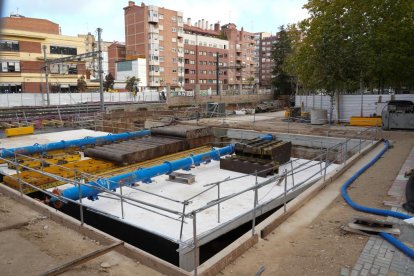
10	88
192	72
161	37
161	48
160	16
161	69
174	50
174	19
186	51
63	50
72	69
180	19
174	60
161	27
10	66
186	41
174	39
174	30
161	58
9	45
192	52
192	81
192	62
187	61
174	70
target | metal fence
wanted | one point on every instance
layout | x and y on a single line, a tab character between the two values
38	99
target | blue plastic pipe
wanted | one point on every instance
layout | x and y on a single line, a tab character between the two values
394	241
145	174
36	148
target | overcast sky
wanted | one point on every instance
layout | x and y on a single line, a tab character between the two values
82	16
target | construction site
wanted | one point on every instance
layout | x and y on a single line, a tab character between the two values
160	143
245	188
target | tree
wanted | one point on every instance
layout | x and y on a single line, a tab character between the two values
82	84
282	81
346	45
131	84
109	82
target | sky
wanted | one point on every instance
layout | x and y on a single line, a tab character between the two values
83	16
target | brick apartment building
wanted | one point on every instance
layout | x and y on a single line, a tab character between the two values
156	34
266	61
185	55
241	56
204	53
22	59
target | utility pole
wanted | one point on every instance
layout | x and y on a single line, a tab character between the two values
46	76
217	74
100	70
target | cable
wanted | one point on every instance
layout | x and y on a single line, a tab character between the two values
394	241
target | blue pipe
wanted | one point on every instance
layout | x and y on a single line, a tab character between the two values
394	241
36	148
268	137
145	175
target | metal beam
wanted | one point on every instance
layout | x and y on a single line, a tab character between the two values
83	259
72	58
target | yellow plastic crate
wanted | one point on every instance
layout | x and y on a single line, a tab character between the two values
17	131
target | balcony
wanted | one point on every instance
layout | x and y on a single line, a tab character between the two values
153	29
180	33
154	62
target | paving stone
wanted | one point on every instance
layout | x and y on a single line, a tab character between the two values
383	270
344	271
364	272
374	271
354	273
367	266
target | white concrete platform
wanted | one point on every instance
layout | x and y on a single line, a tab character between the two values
207	220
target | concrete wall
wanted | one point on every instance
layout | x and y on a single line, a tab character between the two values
349	105
186	100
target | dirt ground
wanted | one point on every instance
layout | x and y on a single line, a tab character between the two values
320	246
43	244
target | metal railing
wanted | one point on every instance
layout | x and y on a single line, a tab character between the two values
337	153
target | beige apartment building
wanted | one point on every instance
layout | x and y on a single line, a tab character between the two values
22	56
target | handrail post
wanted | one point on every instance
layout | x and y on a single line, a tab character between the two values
195	242
284	196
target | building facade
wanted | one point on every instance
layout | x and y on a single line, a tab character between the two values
205	57
182	56
22	57
156	34
242	67
266	62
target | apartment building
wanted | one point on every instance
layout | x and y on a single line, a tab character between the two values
116	53
205	56
258	37
156	34
241	56
22	57
181	56
266	61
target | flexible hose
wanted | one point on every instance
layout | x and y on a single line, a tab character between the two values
394	241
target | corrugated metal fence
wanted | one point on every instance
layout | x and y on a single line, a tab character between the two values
349	105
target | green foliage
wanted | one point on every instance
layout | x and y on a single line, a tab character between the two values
109	82
82	84
345	42
282	81
131	84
